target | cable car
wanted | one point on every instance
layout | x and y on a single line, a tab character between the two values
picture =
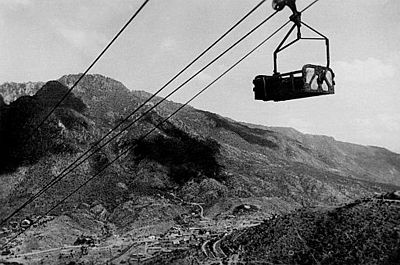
311	80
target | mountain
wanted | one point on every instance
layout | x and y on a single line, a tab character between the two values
11	91
195	157
21	140
362	162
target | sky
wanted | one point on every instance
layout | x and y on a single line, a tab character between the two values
42	40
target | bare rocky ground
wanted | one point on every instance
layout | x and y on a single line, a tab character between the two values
363	232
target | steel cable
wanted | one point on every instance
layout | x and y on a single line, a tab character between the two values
79	161
149	132
167	118
91	65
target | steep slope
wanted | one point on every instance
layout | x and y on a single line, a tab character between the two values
109	100
252	161
362	162
363	232
21	142
197	156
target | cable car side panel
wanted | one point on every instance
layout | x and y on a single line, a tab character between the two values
312	80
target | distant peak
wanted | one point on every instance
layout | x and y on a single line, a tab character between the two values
91	77
97	81
11	90
52	93
52	87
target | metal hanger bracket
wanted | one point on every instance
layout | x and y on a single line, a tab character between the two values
296	19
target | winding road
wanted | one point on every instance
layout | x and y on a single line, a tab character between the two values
219	253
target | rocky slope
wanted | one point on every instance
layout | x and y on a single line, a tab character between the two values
236	160
198	156
11	91
364	232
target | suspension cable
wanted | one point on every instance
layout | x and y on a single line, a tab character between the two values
90	67
148	133
164	120
77	162
310	5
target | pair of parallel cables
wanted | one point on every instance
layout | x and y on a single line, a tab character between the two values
81	158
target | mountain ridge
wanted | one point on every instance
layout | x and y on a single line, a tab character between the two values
111	98
269	152
196	158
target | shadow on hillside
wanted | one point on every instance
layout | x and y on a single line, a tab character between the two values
21	141
186	157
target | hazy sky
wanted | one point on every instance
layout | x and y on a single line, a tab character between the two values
42	40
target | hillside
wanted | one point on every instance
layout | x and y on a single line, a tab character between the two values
248	161
196	157
362	162
364	232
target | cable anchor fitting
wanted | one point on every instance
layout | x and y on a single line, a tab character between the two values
278	5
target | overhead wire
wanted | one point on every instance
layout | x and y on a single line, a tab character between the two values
215	80
219	77
308	6
160	123
90	66
152	130
76	163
